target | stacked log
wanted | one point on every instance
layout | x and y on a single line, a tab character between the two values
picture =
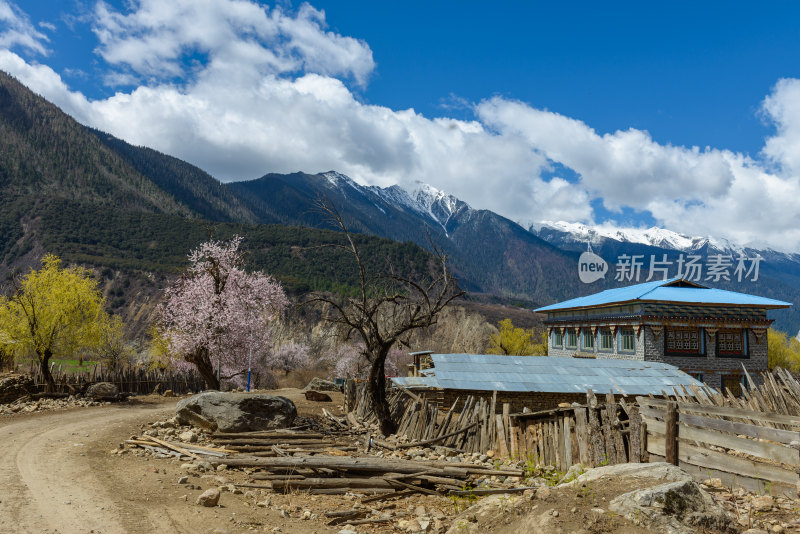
368	475
276	443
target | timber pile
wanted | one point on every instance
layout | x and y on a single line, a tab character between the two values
468	426
280	443
336	475
163	448
779	394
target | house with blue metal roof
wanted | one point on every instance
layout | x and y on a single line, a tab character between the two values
540	383
709	333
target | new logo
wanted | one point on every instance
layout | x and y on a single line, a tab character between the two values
591	267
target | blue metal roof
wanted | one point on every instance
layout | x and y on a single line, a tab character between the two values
549	374
666	291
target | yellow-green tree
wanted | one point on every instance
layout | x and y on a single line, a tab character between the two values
783	351
513	341
52	311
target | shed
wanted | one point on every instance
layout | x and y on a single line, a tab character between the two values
542	382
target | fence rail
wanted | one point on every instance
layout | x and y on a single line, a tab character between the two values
138	381
725	442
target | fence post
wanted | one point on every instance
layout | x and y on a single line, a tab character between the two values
671	444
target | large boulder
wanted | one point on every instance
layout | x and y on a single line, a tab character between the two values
236	412
319	384
102	390
14	387
676	507
662	471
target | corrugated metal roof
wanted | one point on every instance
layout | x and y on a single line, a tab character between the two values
666	291
549	374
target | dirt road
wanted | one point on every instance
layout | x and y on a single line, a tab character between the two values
54	473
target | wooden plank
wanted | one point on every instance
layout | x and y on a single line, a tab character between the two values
634	437
619	445
582	436
540	443
514	444
611	453
755	431
567	441
725	412
705	458
671	433
501	438
596	439
761	449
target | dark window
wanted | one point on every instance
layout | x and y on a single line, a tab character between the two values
734	383
684	342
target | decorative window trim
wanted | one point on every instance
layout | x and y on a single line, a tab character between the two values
701	345
744	354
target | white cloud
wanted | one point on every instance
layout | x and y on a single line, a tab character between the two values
269	92
154	38
18	30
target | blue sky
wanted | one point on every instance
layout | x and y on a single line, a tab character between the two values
685	115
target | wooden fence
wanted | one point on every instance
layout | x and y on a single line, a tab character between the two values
591	435
724	442
138	381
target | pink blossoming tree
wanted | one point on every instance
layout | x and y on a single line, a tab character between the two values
217	315
290	356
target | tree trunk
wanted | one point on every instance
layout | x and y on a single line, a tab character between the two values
377	390
44	361
205	368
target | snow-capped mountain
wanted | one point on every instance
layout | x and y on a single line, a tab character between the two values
425	200
563	233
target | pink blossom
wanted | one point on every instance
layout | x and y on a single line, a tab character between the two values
290	356
218	314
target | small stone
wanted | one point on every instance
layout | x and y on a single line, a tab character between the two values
777	529
306	515
285	514
555	513
183	480
209	498
763	503
420	511
222	467
188	436
490	453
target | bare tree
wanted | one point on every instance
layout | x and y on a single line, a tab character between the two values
389	305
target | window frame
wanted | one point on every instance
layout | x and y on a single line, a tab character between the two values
586	333
558	339
570	333
744	355
701	345
621	341
603	332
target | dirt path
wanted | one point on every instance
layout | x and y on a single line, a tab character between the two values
54	478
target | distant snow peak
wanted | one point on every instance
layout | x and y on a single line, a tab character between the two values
338	179
654	236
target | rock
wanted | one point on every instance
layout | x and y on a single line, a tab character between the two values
168	393
102	390
183	480
209	498
320	384
236	412
763	503
15	387
316	396
189	436
678	507
658	470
